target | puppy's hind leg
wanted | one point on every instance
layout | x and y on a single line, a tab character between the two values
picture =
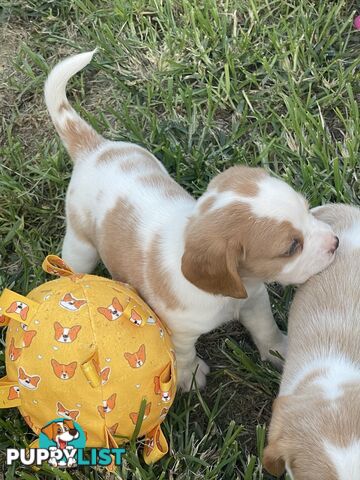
78	252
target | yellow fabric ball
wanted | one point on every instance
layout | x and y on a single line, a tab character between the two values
89	349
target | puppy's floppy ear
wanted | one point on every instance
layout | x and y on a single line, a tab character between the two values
212	265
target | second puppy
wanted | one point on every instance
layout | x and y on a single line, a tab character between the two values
315	428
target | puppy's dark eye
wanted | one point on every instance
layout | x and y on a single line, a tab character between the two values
294	247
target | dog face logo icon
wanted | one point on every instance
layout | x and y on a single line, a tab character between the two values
62	434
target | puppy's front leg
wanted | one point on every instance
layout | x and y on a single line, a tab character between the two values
256	316
188	363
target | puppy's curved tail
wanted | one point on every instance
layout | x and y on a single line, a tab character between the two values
78	136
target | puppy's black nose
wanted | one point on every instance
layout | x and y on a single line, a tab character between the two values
73	431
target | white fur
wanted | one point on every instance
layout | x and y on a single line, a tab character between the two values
351	237
345	459
168	218
339	370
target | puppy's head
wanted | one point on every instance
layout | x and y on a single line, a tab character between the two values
313	438
249	224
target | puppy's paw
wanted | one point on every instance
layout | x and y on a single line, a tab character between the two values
186	373
281	348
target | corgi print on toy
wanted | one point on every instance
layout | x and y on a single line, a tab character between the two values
113	311
134	415
29	381
64	412
71	303
104	375
28	337
20	308
137	359
135	318
14	352
63	371
14	392
113	428
66	334
107	405
165	394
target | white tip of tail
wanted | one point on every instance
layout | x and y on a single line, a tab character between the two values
56	82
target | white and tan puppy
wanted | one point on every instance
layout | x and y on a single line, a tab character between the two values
315	428
190	260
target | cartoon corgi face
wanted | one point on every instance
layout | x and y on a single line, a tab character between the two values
149	446
29	381
71	303
135	318
63	371
134	415
20	308
14	392
64	412
137	359
14	352
113	311
65	334
107	406
104	375
151	320
113	428
165	394
28	337
163	413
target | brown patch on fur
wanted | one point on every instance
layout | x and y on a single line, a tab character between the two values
122	253
83	225
160	280
113	153
165	184
129	157
120	247
206	205
64	106
78	137
223	245
240	179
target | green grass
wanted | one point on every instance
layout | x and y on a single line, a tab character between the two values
204	85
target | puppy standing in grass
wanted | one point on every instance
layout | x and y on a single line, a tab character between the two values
197	263
315	428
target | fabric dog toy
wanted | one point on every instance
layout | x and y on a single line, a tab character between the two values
88	349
